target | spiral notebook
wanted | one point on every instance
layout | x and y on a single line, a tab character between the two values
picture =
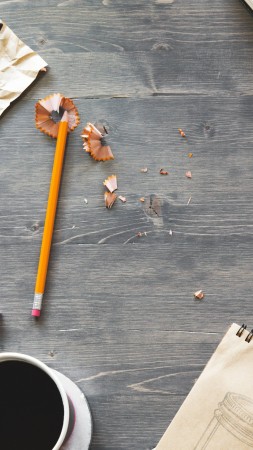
218	412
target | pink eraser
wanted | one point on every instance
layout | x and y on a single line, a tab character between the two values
36	312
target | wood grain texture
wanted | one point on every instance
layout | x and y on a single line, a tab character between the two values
119	316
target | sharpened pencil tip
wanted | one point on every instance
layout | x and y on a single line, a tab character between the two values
64	117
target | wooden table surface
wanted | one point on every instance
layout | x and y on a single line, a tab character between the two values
119	316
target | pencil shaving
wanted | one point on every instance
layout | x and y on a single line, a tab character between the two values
110	199
141	233
163	172
182	132
111	183
123	199
49	112
199	294
93	143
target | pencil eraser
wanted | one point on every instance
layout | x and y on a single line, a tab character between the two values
36	312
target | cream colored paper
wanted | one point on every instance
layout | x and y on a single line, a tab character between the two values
218	412
19	66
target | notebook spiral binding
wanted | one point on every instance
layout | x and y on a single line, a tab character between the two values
241	330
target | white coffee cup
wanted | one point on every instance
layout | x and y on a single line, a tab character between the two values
68	410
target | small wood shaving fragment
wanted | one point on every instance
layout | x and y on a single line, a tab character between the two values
85	200
163	172
140	234
43	69
170	233
111	183
144	170
123	199
199	294
189	201
182	133
110	198
188	174
190	155
142	199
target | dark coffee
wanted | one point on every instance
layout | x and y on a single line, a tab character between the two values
31	408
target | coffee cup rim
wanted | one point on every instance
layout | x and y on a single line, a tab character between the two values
12	356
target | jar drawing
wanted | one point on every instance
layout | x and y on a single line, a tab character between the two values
231	426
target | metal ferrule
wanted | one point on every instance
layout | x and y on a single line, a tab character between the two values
37	301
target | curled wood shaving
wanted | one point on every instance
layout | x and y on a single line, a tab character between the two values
123	199
111	183
110	199
49	112
93	144
142	199
188	174
190	155
144	170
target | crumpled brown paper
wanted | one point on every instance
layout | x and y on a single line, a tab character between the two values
19	66
218	412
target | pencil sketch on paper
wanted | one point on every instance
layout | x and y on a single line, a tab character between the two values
231	424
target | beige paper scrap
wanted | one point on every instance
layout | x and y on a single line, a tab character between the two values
19	66
218	412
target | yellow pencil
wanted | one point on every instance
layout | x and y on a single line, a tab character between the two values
50	215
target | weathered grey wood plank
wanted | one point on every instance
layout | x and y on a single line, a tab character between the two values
212	71
182	52
128	26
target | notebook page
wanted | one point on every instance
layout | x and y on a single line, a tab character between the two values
218	412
